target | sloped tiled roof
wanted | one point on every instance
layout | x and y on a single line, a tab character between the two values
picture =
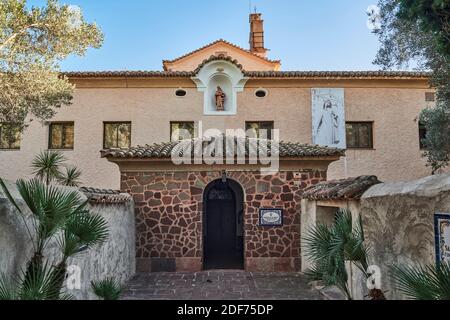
105	196
214	43
257	74
345	189
252	146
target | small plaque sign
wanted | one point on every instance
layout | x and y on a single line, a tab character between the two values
442	234
271	217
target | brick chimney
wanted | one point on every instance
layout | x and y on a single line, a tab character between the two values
257	35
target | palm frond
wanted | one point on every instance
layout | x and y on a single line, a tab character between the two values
423	283
46	166
71	177
8	289
108	289
82	231
38	284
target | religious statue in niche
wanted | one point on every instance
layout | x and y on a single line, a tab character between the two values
220	99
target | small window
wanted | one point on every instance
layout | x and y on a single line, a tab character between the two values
359	135
430	97
259	129
261	93
9	136
184	130
117	135
422	135
61	136
180	93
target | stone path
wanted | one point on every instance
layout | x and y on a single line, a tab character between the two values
220	285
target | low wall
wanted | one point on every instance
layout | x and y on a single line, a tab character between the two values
114	258
399	223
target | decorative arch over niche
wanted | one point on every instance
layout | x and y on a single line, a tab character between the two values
226	75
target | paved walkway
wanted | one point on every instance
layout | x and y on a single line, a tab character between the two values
220	285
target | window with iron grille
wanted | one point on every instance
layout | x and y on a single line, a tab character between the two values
117	135
258	129
61	135
9	136
182	130
359	135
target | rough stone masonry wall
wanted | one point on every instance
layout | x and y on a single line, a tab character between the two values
114	258
169	218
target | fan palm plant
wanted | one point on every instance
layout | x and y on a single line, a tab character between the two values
108	289
423	283
55	210
330	247
71	177
46	166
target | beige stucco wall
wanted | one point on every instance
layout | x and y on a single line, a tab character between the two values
152	104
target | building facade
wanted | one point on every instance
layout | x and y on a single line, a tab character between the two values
194	216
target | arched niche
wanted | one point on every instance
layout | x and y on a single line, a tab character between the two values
224	82
226	75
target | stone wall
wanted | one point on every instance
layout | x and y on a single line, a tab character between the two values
399	223
169	218
115	258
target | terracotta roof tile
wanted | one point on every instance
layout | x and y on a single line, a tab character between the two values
105	196
256	74
351	188
214	43
252	146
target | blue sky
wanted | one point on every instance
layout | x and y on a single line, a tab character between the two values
304	34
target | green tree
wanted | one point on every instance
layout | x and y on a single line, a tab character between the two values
415	34
33	41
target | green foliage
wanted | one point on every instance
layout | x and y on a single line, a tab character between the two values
32	43
108	289
55	211
71	177
433	16
437	140
46	166
83	231
419	283
330	247
415	33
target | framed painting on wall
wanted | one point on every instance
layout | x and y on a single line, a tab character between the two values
328	117
442	235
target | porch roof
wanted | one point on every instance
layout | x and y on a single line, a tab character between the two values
345	189
247	147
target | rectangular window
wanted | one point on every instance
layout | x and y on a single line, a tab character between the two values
257	129
184	130
422	135
430	96
359	135
116	135
61	135
9	136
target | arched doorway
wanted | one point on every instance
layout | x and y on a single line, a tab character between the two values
223	230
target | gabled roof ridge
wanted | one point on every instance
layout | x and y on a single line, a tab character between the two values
214	43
